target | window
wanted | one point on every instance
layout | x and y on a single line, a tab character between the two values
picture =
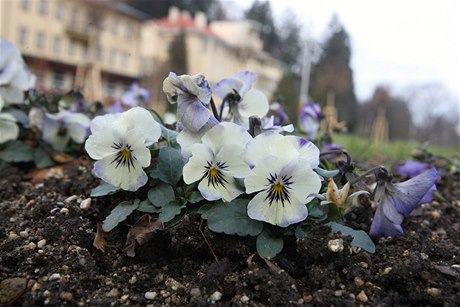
58	80
128	31
113	57
40	83
99	53
59	11
22	36
43	7
110	89
124	59
85	51
25	4
40	43
57	44
72	47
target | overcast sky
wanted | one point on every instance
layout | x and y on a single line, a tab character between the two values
394	43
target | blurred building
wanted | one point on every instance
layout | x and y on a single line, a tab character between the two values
76	43
103	46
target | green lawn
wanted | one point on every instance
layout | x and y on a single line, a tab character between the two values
360	147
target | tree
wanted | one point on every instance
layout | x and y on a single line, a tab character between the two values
289	48
287	92
261	12
159	8
333	74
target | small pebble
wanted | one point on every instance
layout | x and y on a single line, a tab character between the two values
66	296
85	204
46	293
113	293
55	276
36	286
244	299
216	296
424	256
24	234
41	243
31	246
335	246
433	292
70	199
132	280
150	295
358	282
338	293
124	298
436	214
387	270
195	292
362	297
307	298
64	211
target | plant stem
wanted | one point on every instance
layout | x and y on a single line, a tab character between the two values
363	175
338	151
214	110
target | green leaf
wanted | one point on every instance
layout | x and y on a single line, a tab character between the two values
301	231
360	238
104	189
161	194
315	210
147	206
119	214
16	151
42	159
170	136
21	117
326	173
170	210
232	218
170	165
268	245
195	197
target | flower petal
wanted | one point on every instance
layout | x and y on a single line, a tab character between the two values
227	192
259	208
254	103
233	157
194	169
9	130
120	177
141	119
227	86
382	226
226	134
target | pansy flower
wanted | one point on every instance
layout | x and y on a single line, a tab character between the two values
282	176
192	95
217	161
119	142
58	129
135	96
243	102
310	119
279	114
396	201
411	168
14	77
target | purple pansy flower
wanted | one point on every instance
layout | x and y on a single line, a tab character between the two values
279	114
243	102
411	168
334	148
396	201
310	118
117	107
135	96
192	95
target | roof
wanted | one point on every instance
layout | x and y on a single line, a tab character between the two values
183	22
128	10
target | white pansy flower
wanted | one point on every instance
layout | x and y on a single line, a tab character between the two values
119	142
283	176
243	102
58	129
217	161
14	77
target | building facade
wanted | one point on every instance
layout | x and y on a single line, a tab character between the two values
92	45
102	46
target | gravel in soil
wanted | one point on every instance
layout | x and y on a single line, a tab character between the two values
47	256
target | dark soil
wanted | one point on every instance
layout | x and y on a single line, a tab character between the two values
188	265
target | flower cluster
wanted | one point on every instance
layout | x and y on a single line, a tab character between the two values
239	154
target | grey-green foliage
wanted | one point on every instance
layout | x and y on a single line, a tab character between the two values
170	165
360	238
104	189
232	218
268	245
16	151
119	214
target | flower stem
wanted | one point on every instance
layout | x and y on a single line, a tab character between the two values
214	110
338	151
363	175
